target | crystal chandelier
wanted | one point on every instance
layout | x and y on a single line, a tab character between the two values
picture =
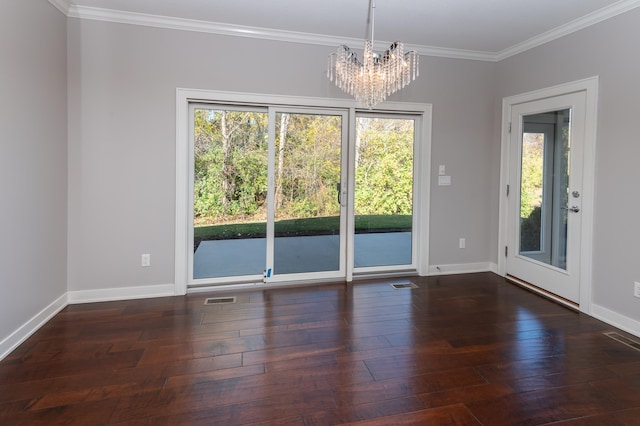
376	77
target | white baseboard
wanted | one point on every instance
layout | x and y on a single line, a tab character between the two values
14	340
122	293
615	319
27	329
463	268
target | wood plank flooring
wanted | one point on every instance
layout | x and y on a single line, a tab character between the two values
458	350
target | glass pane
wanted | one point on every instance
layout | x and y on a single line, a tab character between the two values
544	189
306	194
383	191
531	192
230	192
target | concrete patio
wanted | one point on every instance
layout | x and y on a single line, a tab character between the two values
225	258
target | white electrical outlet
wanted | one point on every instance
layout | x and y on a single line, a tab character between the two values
636	289
145	260
463	243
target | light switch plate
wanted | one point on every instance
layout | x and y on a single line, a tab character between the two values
444	180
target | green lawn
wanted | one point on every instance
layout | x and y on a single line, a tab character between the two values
314	226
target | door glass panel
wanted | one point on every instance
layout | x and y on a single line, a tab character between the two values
383	202
544	187
307	193
230	192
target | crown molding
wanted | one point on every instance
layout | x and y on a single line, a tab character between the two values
61	5
442	52
132	18
184	24
593	18
115	16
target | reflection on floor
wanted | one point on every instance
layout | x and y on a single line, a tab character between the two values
223	258
468	349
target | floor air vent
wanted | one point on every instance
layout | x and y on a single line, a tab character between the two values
399	286
624	340
219	300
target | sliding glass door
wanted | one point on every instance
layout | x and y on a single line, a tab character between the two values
278	194
307	193
267	194
383	193
229	191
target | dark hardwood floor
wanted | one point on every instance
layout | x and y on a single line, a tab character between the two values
465	350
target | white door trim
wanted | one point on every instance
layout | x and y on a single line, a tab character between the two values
590	87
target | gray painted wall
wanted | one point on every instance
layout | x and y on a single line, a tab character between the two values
119	154
608	50
33	160
122	139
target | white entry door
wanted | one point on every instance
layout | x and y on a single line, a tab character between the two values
545	194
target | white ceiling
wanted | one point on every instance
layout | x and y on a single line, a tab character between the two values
487	29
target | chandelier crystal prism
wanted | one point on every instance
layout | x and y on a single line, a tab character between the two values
377	76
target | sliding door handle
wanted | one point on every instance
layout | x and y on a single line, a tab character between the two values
574	209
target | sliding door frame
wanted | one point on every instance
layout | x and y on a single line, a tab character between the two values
340	273
185	97
190	194
415	187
